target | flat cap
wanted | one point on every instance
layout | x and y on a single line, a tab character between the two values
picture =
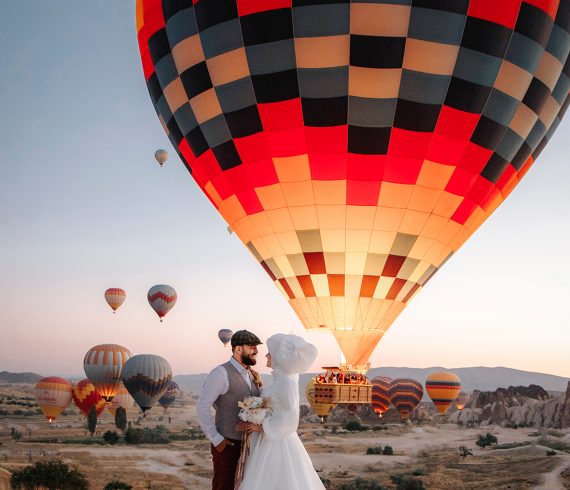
243	337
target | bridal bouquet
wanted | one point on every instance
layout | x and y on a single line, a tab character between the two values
254	409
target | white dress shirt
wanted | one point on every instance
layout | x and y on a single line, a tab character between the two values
216	384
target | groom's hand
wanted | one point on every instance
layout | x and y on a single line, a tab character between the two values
222	445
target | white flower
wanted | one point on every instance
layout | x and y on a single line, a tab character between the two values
254	409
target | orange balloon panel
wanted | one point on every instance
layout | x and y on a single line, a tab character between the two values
115	297
53	395
353	147
443	388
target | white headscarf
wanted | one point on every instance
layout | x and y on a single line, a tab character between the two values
291	353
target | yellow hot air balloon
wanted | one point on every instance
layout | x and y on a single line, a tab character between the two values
103	365
353	148
53	395
321	409
443	388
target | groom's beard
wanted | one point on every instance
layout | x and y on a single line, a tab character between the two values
248	360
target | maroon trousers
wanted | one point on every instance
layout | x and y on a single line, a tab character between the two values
225	465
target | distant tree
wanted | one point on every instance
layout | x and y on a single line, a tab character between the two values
117	485
121	419
52	475
388	451
92	420
353	426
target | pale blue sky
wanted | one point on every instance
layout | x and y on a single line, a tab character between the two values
84	206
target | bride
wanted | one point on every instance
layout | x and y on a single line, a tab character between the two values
278	459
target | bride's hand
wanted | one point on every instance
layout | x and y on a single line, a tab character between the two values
253	428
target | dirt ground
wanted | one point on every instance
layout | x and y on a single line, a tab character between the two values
428	453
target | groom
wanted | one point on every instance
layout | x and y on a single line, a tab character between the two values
225	386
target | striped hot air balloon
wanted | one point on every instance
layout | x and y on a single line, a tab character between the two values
443	388
121	399
170	395
53	395
86	396
354	146
405	394
146	377
380	395
461	400
115	297
103	365
162	298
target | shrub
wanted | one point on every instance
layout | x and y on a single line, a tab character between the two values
111	437
117	485
464	452
355	426
404	482
362	484
158	435
418	472
388	451
374	450
550	452
16	434
48	474
486	440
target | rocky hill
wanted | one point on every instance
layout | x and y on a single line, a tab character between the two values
19	378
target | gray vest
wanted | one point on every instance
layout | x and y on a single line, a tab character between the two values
226	405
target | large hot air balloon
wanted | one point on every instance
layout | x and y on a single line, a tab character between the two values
321	409
115	297
405	395
86	396
161	298
443	388
354	147
461	400
170	395
103	365
53	396
121	399
161	156
225	335
380	395
146	377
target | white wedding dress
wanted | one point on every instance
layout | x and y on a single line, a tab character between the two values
278	460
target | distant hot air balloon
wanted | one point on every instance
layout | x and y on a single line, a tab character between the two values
443	388
121	399
115	297
321	409
354	147
405	395
170	395
53	396
380	395
161	298
86	396
146	377
103	365
161	156
461	400
225	335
